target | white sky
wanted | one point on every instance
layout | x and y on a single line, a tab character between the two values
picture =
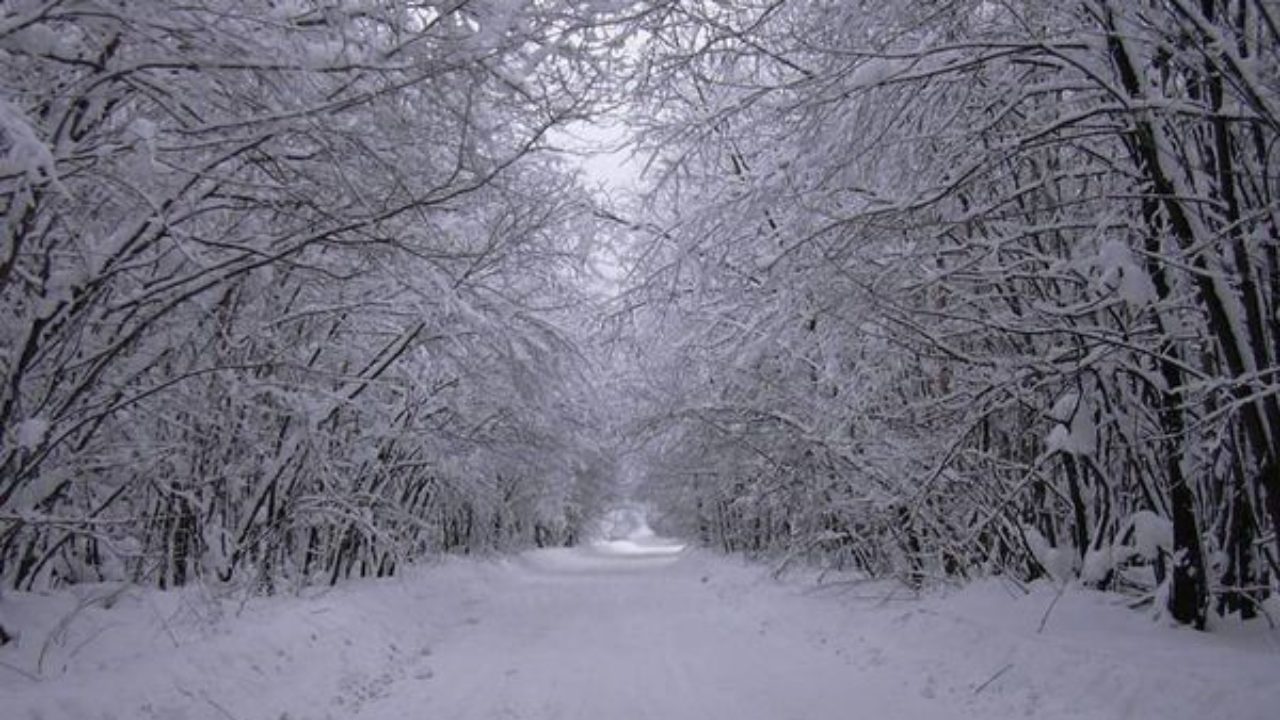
605	159
600	150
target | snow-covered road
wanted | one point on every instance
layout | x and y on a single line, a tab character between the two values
621	630
627	630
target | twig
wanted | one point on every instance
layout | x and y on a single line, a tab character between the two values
887	597
993	678
204	695
225	713
164	623
1006	580
60	632
30	676
1045	618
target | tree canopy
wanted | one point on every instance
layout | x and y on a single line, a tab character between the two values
299	289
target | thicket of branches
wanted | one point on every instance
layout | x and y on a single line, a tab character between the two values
285	287
289	289
946	289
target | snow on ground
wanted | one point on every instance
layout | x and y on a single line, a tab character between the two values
630	628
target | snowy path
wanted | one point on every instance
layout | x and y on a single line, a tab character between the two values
627	630
599	633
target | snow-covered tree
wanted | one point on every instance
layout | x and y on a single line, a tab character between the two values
285	284
972	287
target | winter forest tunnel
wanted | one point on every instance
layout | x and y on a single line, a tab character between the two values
297	290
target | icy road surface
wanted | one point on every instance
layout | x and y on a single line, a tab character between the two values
622	630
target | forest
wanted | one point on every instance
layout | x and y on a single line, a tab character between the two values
294	291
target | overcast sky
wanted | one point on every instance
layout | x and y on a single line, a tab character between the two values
604	158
